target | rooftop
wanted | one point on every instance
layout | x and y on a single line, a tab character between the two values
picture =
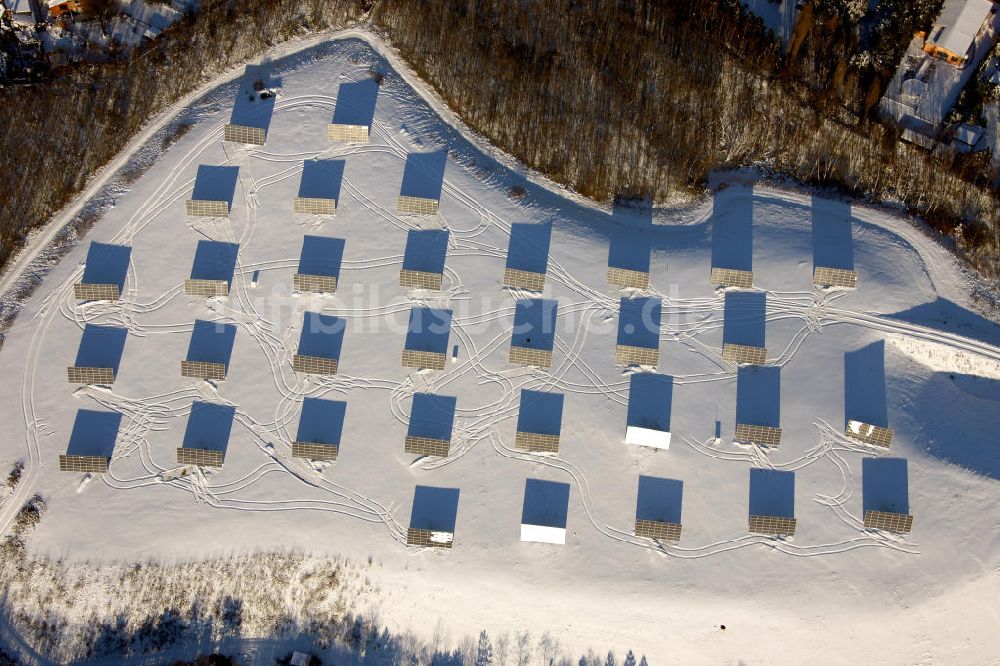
958	25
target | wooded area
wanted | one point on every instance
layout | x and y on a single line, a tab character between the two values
626	98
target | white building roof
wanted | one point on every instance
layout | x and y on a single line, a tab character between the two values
959	23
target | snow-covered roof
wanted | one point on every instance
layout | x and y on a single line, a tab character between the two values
968	134
959	23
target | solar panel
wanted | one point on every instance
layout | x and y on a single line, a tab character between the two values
205	208
244	134
423	359
314	205
518	279
541	358
314	365
321	284
758	434
744	354
315	450
657	529
420	279
95	292
623	277
890	522
835	277
629	355
338	132
206	288
81	375
203	457
416	205
536	442
777	525
429	538
203	370
426	446
869	434
730	277
97	464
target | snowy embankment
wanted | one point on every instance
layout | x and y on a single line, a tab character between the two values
605	586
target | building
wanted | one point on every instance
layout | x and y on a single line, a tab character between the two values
58	8
952	38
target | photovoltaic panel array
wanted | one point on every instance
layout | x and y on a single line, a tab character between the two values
206	288
541	358
535	442
340	133
95	464
253	136
657	529
835	277
79	375
426	446
314	365
314	206
315	450
423	359
630	355
744	354
777	525
416	205
95	292
203	370
518	279
321	284
420	280
890	522
202	457
869	434
429	538
623	277
758	434
730	277
206	208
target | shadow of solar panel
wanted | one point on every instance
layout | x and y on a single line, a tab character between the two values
80	375
96	464
314	206
426	446
203	370
730	277
416	205
423	359
629	355
429	538
338	132
869	434
623	277
777	525
541	358
202	457
95	292
835	277
314	365
656	529
420	280
244	134
744	354
315	450
758	434
890	522
535	442
518	279
321	284
206	288
205	208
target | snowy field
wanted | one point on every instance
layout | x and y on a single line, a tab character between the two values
834	588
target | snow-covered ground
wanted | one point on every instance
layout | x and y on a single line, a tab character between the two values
834	589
